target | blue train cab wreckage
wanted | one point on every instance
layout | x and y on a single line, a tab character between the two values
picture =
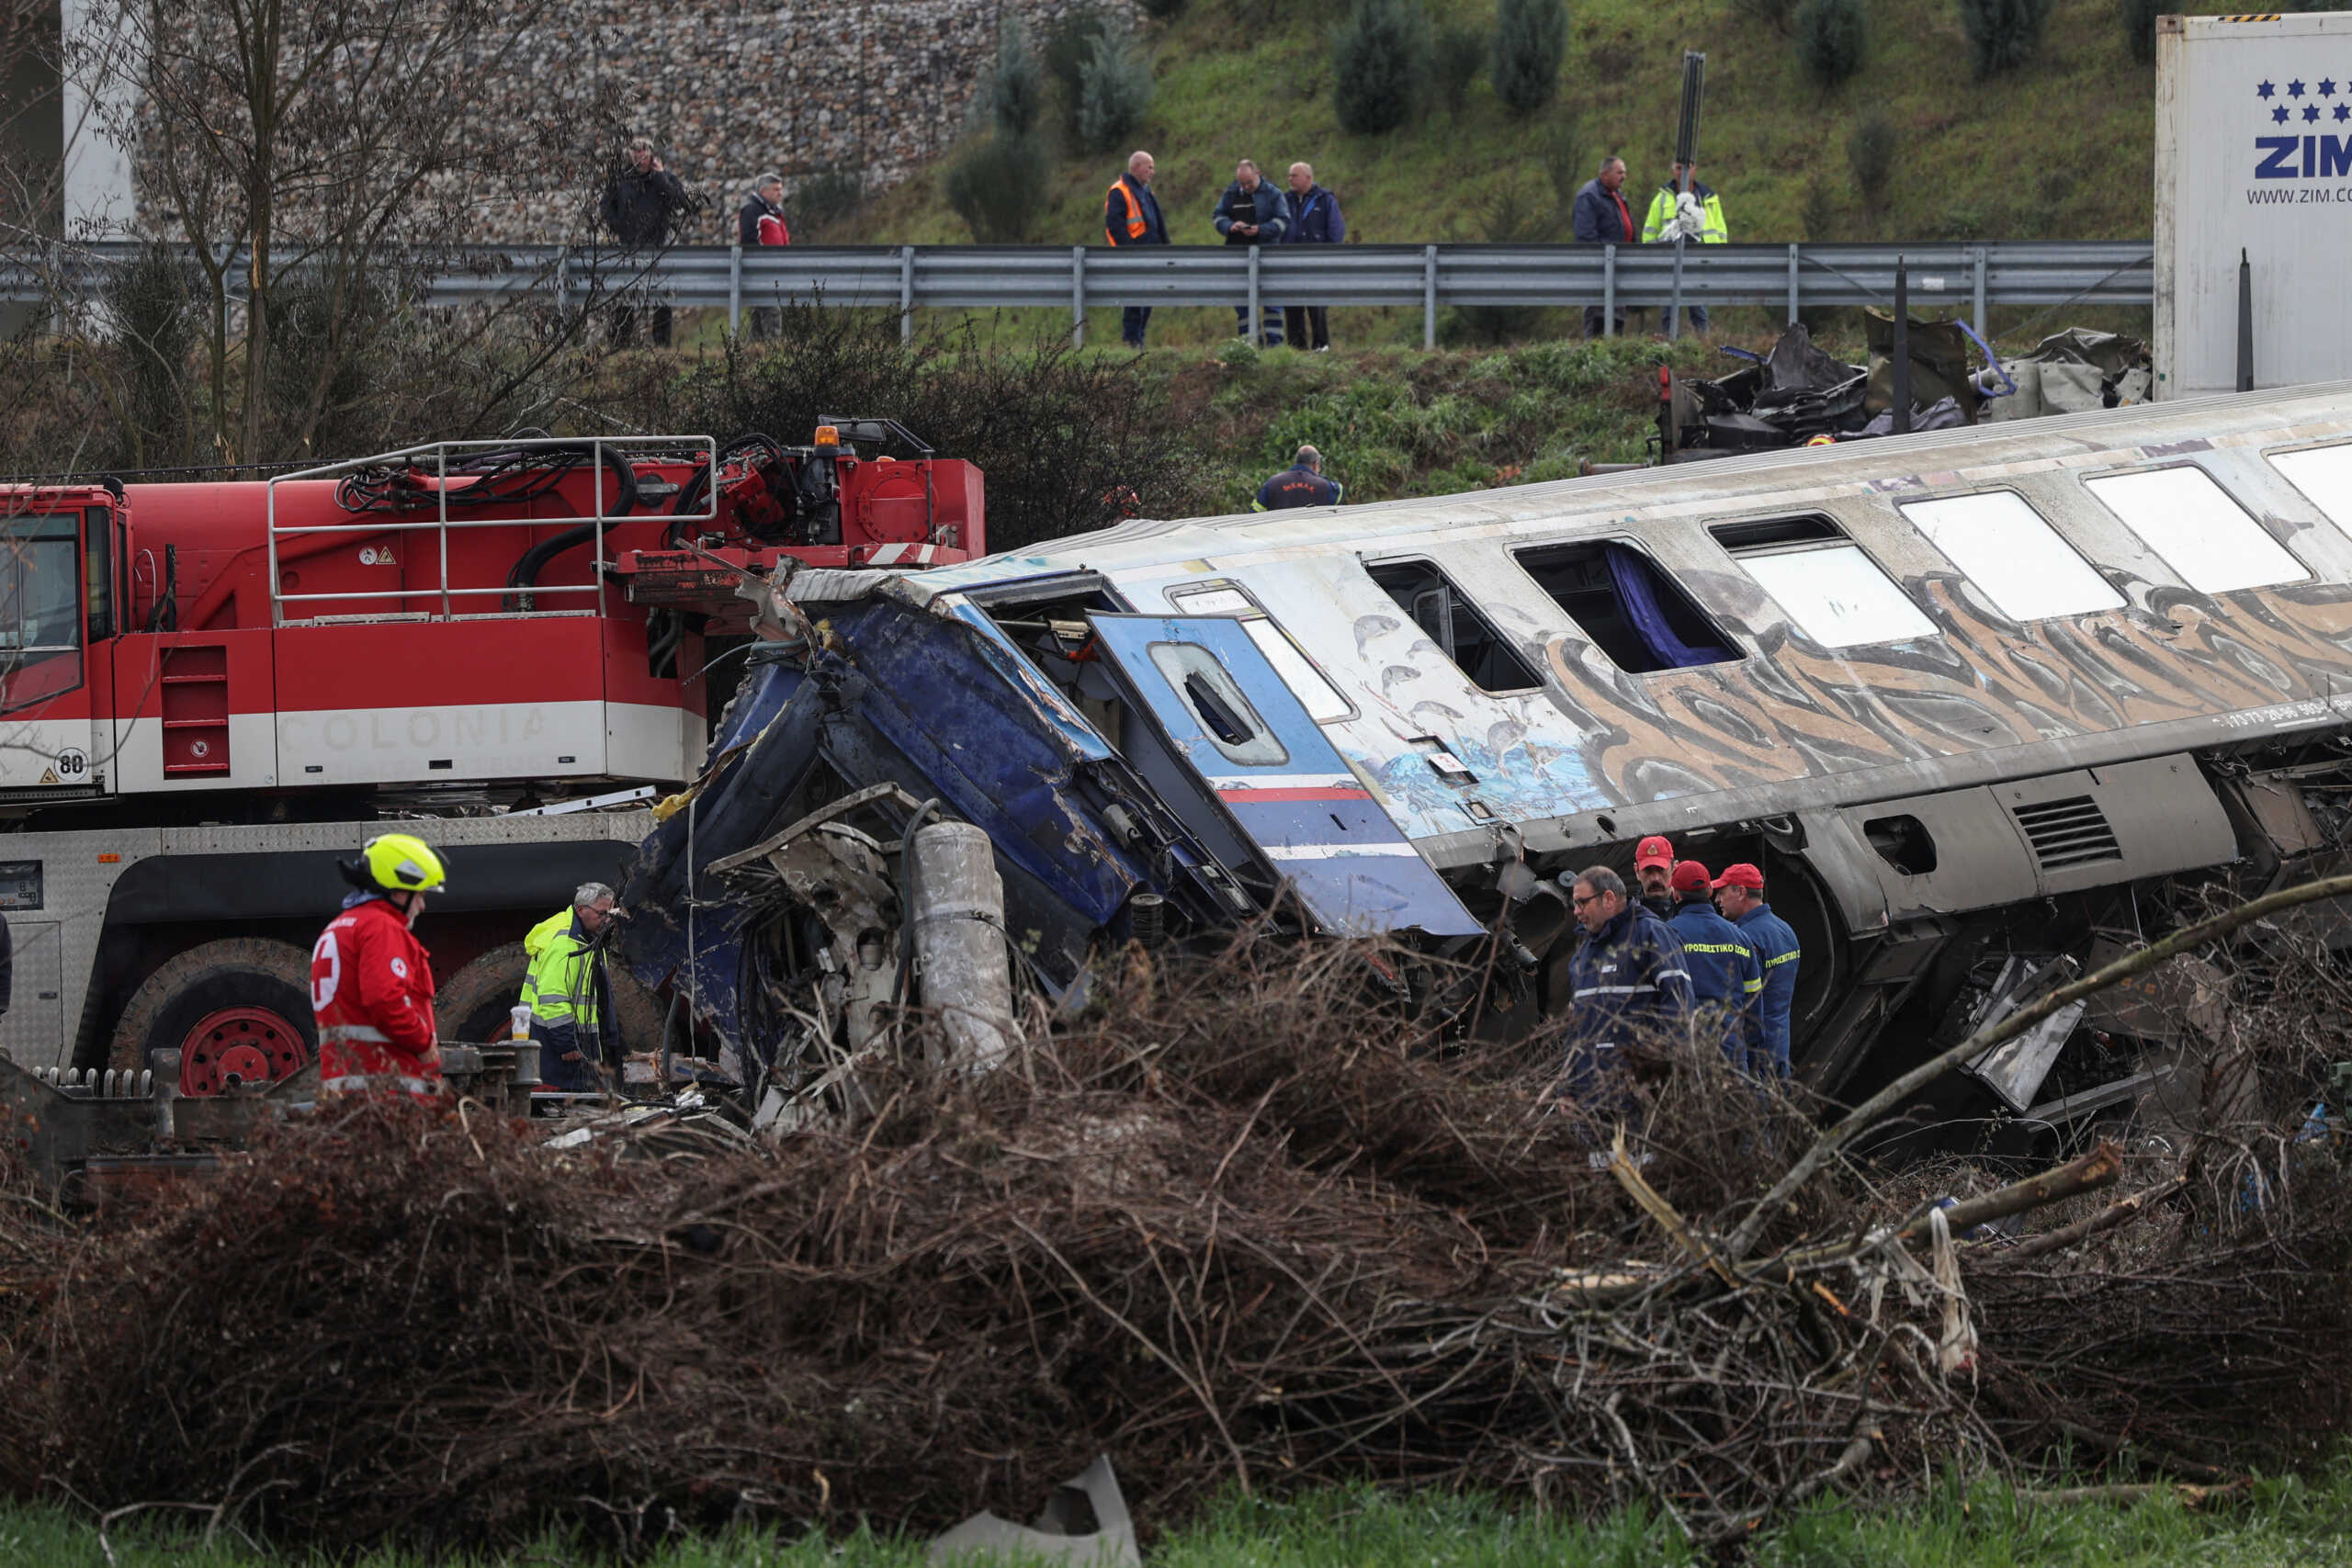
1976	701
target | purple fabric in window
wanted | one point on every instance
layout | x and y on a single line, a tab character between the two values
1637	591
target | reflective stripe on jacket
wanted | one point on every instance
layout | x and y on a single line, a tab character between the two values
1626	980
1776	948
1726	978
371	990
1711	209
563	982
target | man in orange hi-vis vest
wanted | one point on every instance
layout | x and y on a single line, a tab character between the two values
1131	217
371	980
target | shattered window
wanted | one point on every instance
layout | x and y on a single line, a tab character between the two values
2198	528
1628	604
1456	626
2325	476
1216	704
2005	549
1322	699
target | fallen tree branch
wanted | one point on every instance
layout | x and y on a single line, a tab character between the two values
1867	1114
2121	1212
2190	1494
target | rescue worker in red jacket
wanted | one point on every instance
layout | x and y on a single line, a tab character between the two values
371	980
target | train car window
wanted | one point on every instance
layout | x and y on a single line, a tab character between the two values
1627	604
1217	705
2198	527
1455	625
2005	548
2325	476
1309	684
1835	594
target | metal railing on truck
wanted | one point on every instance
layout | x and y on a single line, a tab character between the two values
443	460
1076	277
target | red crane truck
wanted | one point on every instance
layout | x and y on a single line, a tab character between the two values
208	692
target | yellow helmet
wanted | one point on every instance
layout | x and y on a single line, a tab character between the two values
402	863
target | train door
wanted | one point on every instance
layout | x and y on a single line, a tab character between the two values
1255	764
56	626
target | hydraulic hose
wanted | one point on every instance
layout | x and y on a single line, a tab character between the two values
533	560
691	494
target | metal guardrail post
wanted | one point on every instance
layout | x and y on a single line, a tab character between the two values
906	293
1609	290
1429	296
1077	297
1254	331
1983	331
735	288
1793	266
562	281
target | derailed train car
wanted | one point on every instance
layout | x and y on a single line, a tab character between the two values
1983	704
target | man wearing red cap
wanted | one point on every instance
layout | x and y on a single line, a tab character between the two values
1726	977
1654	869
1739	894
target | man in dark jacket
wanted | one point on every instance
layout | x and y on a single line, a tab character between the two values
1315	219
1603	219
642	203
1131	217
1726	978
760	221
1739	894
1301	484
1629	984
1654	875
1252	212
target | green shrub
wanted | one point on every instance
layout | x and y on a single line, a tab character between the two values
1115	88
2139	17
2002	34
1530	41
825	197
1831	39
1379	61
1818	217
995	187
1016	86
1456	56
152	300
1067	48
1870	156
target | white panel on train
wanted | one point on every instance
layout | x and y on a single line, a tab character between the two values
2199	531
2024	567
1838	596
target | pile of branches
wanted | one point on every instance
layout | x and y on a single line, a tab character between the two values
1242	1223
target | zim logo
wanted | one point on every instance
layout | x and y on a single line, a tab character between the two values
2312	155
2302	157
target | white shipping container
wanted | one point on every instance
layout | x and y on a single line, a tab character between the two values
2253	155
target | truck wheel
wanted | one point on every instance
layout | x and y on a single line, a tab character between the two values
238	1011
476	1004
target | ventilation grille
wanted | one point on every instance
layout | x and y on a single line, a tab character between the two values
2073	832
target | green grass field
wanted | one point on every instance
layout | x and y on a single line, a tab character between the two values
2275	1525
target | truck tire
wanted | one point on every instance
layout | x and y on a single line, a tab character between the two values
476	1004
238	1011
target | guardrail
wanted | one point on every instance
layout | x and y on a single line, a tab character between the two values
1077	278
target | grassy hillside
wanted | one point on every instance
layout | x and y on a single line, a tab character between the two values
2061	147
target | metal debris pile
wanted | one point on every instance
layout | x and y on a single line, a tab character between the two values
1241	1219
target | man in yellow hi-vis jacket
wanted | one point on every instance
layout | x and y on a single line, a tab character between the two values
568	989
1698	219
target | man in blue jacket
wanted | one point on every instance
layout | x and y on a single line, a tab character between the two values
1252	212
1629	985
1315	219
1131	217
1603	218
1726	977
1301	484
1739	894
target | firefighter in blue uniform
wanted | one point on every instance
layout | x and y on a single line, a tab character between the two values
1739	894
1301	484
1726	977
1628	984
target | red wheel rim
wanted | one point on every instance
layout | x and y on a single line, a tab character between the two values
242	1045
